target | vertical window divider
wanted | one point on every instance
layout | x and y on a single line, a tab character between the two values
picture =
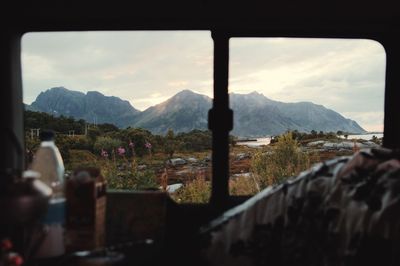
12	129
391	130
220	121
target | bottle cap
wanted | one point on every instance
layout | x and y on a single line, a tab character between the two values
46	135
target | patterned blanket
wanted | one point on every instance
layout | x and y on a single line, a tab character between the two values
344	211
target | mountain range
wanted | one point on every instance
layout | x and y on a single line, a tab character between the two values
254	114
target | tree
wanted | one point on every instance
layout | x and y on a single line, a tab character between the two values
376	140
59	124
297	135
195	140
170	143
107	127
63	143
313	133
93	133
31	145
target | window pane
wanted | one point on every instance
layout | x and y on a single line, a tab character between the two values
327	93
132	103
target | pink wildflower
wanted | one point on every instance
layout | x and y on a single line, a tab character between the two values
131	145
104	153
121	151
148	145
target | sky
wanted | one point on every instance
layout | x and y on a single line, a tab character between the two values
149	67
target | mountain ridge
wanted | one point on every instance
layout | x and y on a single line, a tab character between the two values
92	106
254	114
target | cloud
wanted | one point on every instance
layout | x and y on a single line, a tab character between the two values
127	64
347	76
372	120
147	67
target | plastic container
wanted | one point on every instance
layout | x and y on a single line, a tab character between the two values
48	162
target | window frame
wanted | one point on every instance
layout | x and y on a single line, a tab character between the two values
220	115
220	177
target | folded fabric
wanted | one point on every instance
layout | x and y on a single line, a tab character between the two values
345	211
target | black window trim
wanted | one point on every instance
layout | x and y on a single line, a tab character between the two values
220	116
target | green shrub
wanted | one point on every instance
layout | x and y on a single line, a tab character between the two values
243	186
139	137
170	143
121	175
106	143
80	143
195	140
284	159
63	143
81	158
196	191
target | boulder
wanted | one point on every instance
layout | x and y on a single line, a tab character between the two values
174	187
242	156
315	143
141	167
192	160
245	175
176	161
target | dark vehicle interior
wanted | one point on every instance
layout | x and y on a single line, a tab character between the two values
177	236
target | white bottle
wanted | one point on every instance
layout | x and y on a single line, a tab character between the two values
48	162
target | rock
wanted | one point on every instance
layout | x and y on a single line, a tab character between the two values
207	158
329	146
348	145
370	144
176	161
141	167
174	187
245	175
192	160
186	171
242	156
315	143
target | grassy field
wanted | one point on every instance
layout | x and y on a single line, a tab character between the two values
251	169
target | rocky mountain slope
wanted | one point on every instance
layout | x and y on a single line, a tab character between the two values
254	114
93	106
